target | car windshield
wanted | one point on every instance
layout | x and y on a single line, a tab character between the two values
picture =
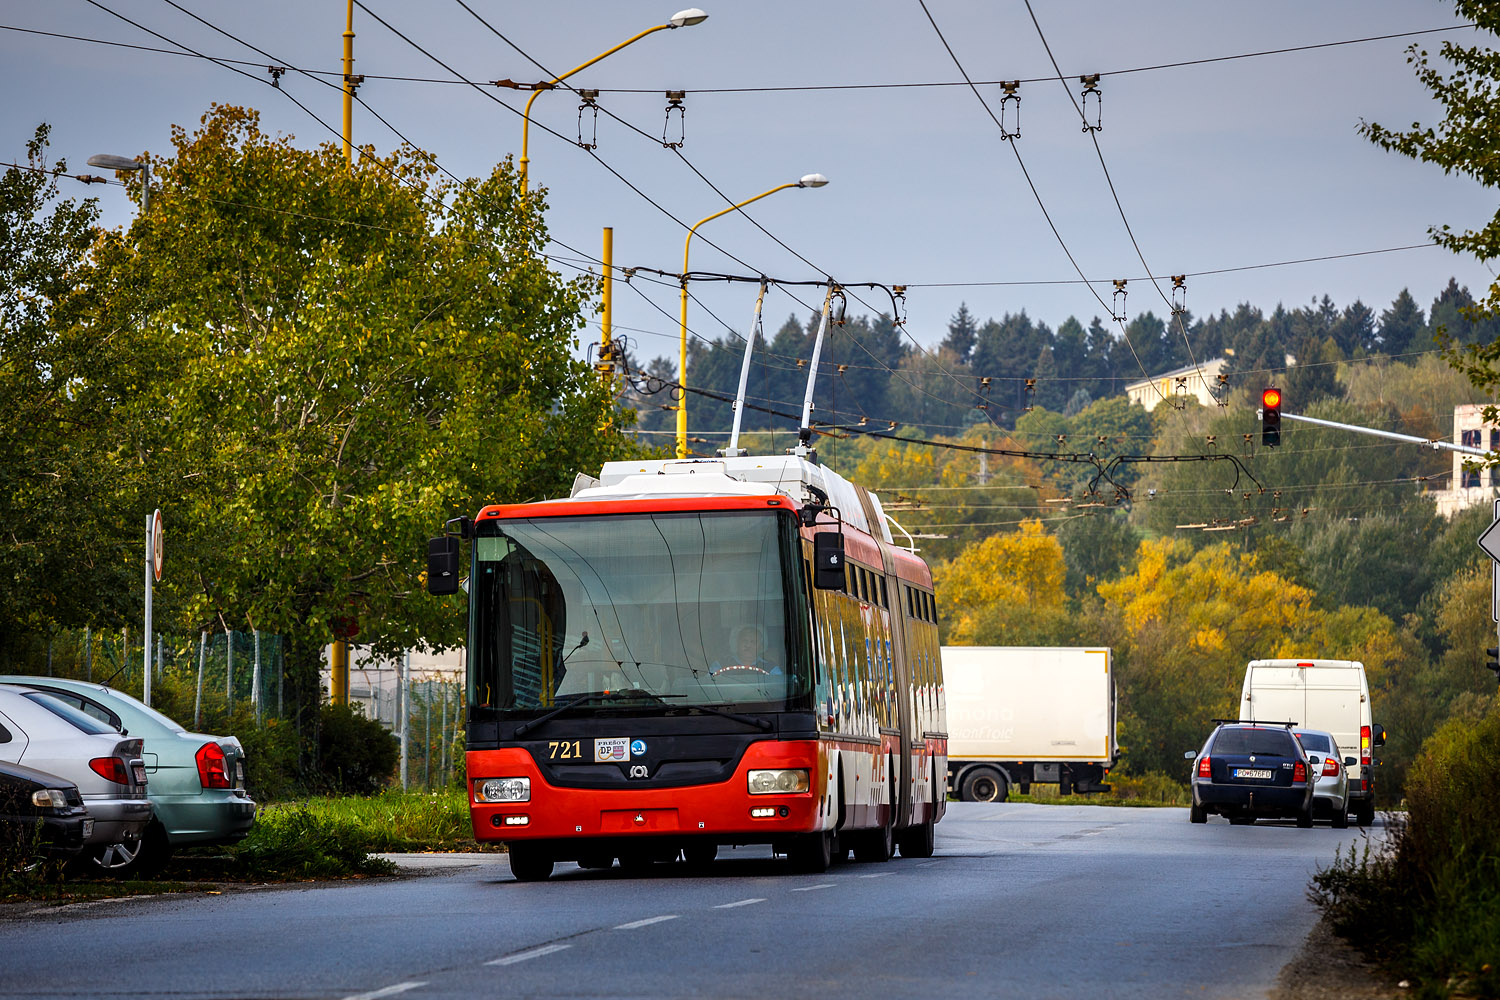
1271	742
87	723
1316	742
648	610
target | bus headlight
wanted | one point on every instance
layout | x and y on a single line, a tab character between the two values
780	781
503	790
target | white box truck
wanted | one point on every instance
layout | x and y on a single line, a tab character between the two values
1321	694
1021	715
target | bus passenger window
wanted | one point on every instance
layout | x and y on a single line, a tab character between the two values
884	597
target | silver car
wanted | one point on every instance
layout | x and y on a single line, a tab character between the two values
1331	793
41	732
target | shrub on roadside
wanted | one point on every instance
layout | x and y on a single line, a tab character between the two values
355	754
1427	901
296	843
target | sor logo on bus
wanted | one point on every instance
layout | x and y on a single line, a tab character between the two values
639	771
614	750
637	748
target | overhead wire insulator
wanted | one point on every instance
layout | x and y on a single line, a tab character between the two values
1117	308
1030	391
1212	440
589	102
1090	83
984	390
1179	293
898	292
839	313
1010	107
674	104
276	74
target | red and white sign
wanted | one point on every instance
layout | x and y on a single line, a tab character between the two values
156	543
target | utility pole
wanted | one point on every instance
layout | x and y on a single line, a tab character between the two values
349	85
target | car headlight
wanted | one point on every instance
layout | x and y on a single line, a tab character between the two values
779	781
50	798
503	790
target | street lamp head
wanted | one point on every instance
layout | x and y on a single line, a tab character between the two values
812	181
685	17
109	162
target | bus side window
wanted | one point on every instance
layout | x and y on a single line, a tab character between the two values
884	596
932	602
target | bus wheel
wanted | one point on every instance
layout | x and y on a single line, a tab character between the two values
596	862
879	844
917	841
811	853
530	863
983	784
700	855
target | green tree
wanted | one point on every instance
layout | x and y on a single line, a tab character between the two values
67	492
346	358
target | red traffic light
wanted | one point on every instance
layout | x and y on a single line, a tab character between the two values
1270	398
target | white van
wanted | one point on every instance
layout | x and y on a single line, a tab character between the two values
1320	694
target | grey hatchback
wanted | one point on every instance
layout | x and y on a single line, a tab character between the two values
197	781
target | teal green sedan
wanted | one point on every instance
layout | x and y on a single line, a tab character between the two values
197	782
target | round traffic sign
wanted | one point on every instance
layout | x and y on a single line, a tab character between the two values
156	543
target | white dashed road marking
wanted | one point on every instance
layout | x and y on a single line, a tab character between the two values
877	875
742	902
388	991
810	888
545	949
645	923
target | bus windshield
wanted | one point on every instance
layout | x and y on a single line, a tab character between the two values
652	612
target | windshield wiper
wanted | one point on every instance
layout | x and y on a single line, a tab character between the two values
762	724
579	699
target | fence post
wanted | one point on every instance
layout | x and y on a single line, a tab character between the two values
160	642
403	696
427	737
255	677
202	657
443	740
88	653
280	674
229	669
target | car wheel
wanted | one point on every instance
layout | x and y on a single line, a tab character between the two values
1197	814
529	863
1364	812
141	858
983	784
1340	819
1304	818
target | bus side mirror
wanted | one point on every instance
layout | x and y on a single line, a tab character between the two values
828	560
1377	736
442	565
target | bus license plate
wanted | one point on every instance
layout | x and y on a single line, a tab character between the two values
1251	772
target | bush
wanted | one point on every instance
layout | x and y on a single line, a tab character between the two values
296	843
355	754
1428	903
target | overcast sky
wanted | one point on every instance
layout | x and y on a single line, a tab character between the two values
1217	166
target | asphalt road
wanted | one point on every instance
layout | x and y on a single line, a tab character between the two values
1020	901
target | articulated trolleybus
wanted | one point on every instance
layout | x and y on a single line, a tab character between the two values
687	654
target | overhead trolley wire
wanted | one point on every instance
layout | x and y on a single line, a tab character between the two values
787	88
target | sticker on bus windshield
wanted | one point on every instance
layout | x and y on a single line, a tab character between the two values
612	750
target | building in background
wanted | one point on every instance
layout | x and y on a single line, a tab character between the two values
1200	382
1468	487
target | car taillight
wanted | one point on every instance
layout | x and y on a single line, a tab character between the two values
1330	768
1204	765
1299	772
1364	745
213	771
110	769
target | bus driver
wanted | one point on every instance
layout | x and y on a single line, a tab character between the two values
748	644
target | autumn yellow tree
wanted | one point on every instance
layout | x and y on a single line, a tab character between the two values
1005	591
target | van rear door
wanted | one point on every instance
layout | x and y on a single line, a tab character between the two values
1277	694
1333	702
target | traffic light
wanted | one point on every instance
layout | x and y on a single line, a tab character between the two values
1494	663
1270	417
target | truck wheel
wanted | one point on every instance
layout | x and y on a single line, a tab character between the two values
530	863
1197	814
984	784
1364	812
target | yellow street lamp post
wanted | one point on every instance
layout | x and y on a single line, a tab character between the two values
809	181
681	19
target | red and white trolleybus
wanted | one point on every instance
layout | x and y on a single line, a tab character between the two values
686	654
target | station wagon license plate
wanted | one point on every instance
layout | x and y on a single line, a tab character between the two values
1252	772
140	774
88	829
